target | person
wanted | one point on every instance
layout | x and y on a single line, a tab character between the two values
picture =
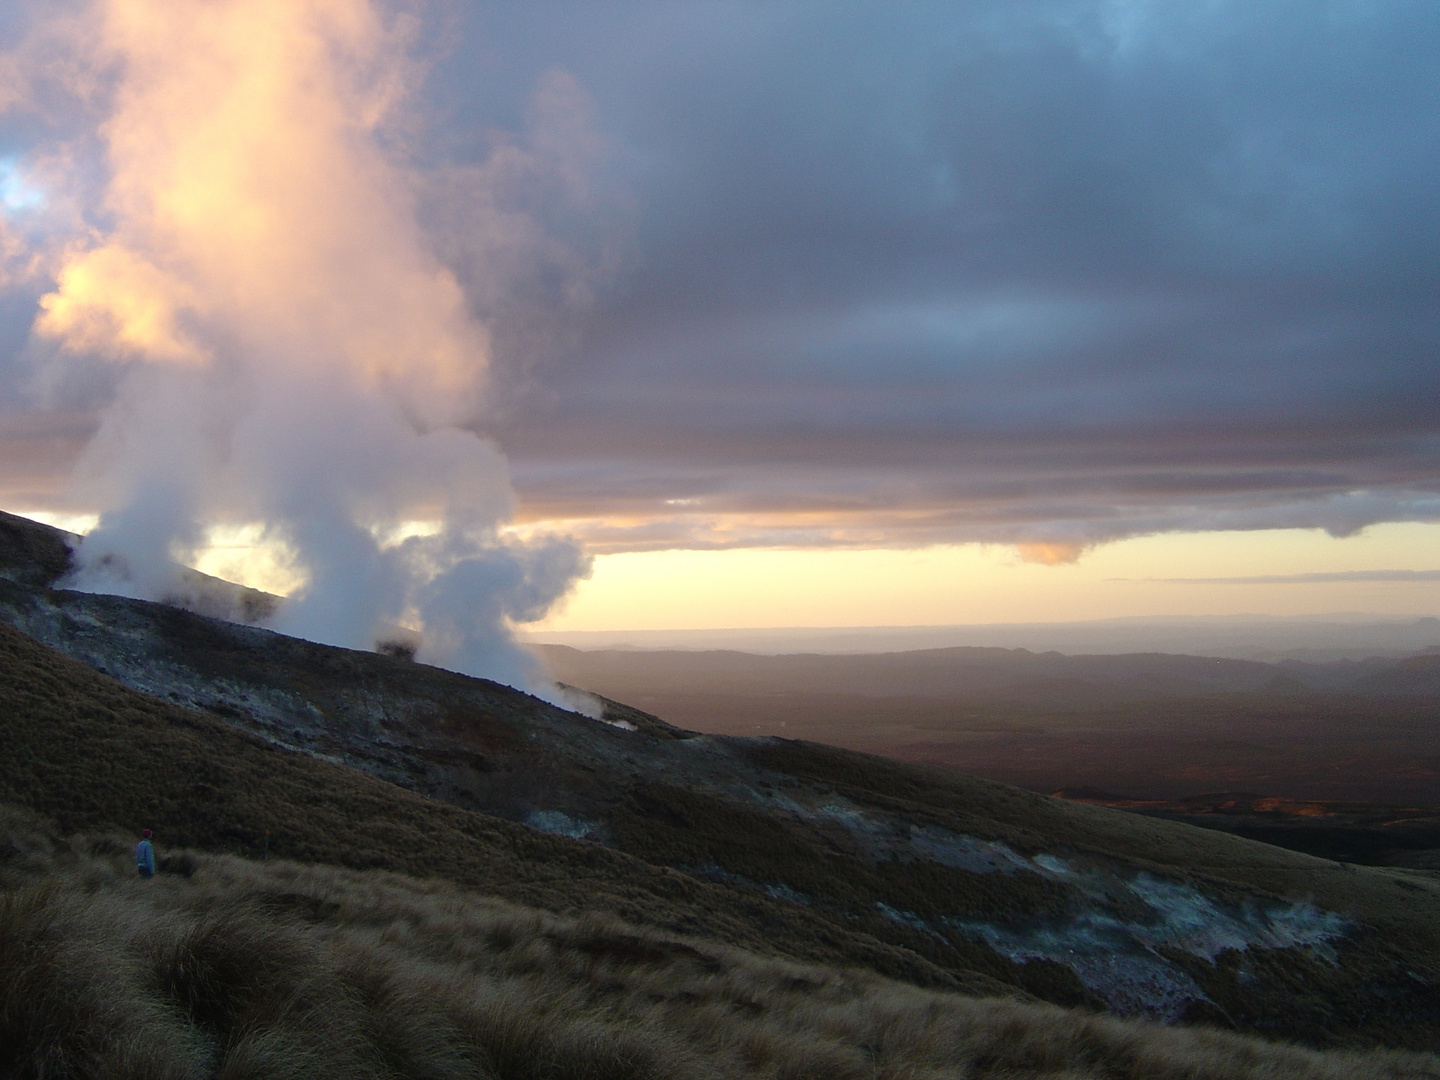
145	854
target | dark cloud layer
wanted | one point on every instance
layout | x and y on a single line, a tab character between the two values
1010	270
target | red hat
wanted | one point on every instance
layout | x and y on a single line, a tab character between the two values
145	833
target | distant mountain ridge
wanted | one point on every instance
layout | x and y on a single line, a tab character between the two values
970	673
1269	639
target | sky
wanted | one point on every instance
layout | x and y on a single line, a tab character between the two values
770	314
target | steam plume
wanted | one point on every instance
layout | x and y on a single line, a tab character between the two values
288	349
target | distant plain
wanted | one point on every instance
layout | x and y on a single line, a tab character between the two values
1355	742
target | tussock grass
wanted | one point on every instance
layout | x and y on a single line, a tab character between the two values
282	969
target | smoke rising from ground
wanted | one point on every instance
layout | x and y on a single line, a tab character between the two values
285	348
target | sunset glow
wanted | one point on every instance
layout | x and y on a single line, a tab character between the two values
803	320
969	584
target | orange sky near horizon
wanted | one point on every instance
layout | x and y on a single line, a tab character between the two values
977	583
961	584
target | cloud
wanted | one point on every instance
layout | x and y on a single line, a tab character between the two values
109	301
287	350
1049	554
956	275
1031	272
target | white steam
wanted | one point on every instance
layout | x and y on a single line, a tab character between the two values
286	350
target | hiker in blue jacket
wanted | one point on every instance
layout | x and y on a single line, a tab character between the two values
145	855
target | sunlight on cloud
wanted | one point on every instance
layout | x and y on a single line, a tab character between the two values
389	535
250	198
1049	554
292	353
111	302
250	555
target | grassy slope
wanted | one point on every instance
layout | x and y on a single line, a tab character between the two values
1401	904
97	755
237	819
93	754
245	969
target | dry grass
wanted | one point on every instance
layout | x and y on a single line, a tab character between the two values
230	968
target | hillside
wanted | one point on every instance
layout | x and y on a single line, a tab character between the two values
230	967
1373	835
92	754
774	846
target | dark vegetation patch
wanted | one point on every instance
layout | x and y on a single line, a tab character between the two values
1363	833
31	554
1028	822
1317	990
1382	844
681	827
688	829
400	650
